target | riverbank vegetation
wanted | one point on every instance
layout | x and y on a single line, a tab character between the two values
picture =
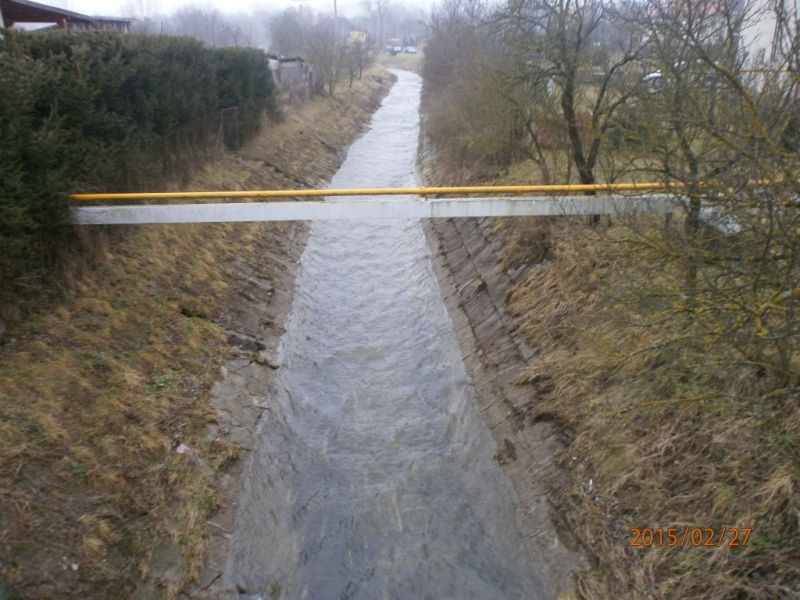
101	111
402	61
336	51
107	478
666	346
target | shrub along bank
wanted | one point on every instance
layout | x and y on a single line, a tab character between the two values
99	111
670	434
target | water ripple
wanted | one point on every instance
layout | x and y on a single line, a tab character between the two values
374	478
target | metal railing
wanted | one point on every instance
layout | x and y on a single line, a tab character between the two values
415	191
548	200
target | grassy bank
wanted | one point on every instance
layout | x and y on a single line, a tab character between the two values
664	432
406	62
105	475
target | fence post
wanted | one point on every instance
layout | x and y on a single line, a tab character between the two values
238	133
221	132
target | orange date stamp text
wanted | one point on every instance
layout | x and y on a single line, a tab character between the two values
690	536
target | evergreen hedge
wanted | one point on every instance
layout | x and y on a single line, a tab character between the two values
101	111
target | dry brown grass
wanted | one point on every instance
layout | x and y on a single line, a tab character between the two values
97	390
666	430
665	434
403	61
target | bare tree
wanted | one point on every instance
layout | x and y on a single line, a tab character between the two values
203	22
289	31
694	56
357	55
728	268
380	11
549	76
144	12
577	50
323	51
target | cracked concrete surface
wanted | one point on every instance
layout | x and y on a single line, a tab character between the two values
465	258
255	322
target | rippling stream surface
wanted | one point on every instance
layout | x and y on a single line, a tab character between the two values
373	474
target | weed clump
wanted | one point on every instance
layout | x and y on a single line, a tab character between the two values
669	432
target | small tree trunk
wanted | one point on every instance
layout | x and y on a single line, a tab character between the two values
692	230
585	173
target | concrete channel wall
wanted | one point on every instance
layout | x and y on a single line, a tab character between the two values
465	258
465	254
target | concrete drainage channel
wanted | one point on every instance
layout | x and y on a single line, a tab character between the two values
370	471
465	260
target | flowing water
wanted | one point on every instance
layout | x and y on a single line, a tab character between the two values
373	475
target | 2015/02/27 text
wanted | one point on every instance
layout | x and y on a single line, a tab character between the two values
694	536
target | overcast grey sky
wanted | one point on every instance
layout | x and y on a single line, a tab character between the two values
347	8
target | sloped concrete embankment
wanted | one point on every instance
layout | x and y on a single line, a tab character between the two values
254	318
466	262
255	324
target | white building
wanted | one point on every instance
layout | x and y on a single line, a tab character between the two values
764	41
